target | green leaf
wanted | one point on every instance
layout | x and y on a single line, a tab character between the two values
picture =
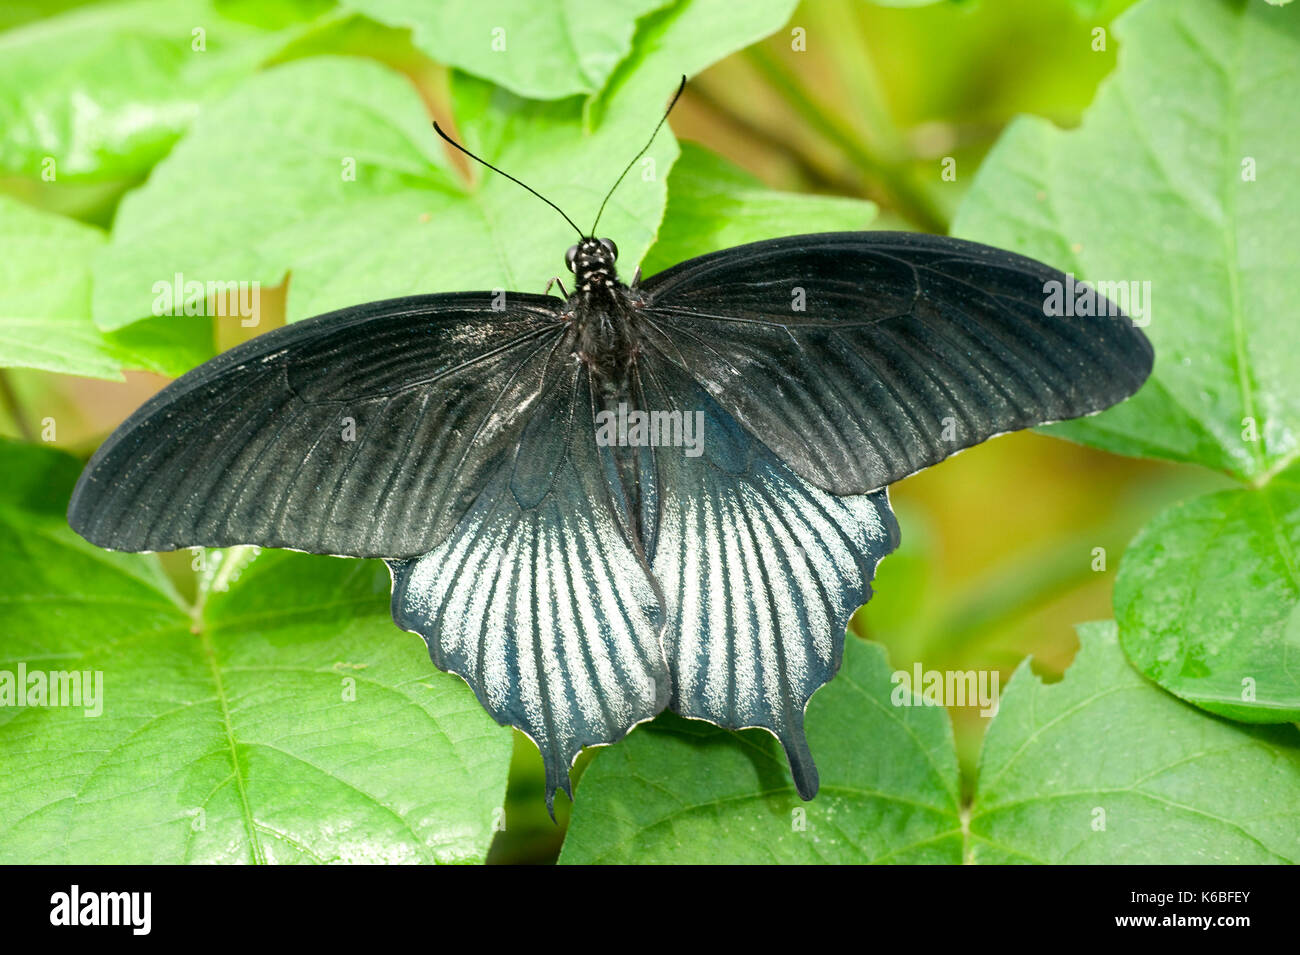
167	345
1102	767
327	169
45	306
1196	131
45	294
104	90
17	12
542	50
681	41
713	204
355	196
286	720
36	479
684	791
1208	601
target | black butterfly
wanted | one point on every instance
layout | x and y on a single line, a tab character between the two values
580	574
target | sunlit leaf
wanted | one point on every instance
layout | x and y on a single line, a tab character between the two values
544	50
287	720
45	306
1208	601
1101	767
103	90
327	169
1181	183
714	205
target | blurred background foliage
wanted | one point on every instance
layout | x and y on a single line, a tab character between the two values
1000	545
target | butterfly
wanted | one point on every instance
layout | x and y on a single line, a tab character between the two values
669	493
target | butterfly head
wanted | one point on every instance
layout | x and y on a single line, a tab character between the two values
592	261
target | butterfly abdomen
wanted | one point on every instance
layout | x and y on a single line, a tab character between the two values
607	341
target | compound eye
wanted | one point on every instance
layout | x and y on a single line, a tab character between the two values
610	247
570	256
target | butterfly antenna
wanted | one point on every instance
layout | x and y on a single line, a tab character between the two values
438	129
676	97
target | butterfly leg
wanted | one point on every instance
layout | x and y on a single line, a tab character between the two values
555	280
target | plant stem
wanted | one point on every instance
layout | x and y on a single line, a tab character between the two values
14	406
910	202
808	167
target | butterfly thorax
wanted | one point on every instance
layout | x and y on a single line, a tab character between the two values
603	310
606	337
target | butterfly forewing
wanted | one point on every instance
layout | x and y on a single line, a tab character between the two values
862	357
365	432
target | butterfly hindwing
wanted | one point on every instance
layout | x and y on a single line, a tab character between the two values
538	598
366	432
863	357
760	572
